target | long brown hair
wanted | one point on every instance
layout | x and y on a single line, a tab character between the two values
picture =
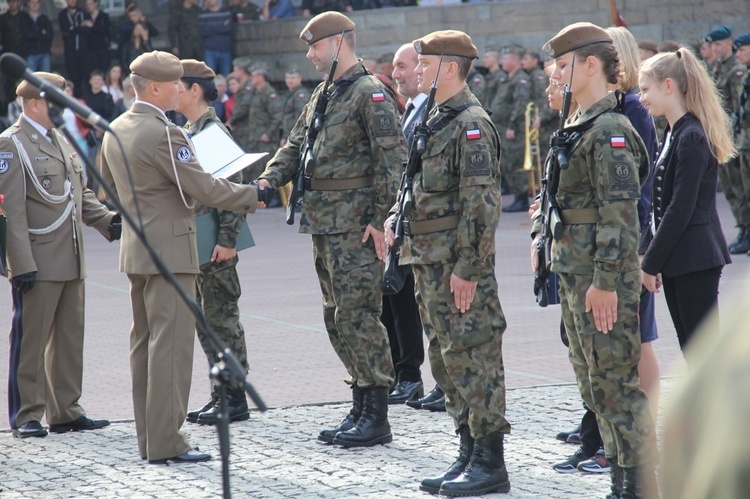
699	95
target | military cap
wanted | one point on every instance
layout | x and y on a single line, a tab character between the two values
292	70
720	33
648	44
157	66
29	91
448	42
325	25
574	37
243	63
514	49
743	39
260	67
192	68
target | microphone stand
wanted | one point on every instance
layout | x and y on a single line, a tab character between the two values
227	373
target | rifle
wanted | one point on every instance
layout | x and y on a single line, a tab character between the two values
557	160
392	280
306	159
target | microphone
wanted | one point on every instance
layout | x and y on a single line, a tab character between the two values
15	68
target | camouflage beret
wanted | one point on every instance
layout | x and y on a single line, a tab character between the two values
514	49
192	68
243	63
157	66
720	33
449	42
325	25
29	91
574	37
743	39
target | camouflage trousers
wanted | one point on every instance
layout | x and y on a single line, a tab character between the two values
736	186
218	294
511	163
253	171
606	368
465	350
349	274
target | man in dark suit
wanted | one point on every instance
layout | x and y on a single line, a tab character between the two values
400	311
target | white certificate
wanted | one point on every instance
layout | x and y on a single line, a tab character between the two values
219	154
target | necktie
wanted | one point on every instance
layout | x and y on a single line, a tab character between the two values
406	115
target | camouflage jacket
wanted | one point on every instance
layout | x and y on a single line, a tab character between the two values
606	165
491	81
743	140
360	137
476	83
230	222
293	105
539	82
460	175
183	29
510	101
240	120
729	82
265	113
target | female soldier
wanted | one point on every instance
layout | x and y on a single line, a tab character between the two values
688	247
218	287
596	256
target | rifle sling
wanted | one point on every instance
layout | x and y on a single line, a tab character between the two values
338	184
431	225
579	216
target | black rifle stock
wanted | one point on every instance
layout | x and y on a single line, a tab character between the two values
405	200
552	225
306	159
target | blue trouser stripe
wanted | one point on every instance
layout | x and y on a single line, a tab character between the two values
16	337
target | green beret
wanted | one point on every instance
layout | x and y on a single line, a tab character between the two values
449	42
157	66
742	40
325	25
192	68
29	91
574	37
720	33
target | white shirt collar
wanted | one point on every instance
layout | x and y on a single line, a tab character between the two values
149	104
39	127
417	101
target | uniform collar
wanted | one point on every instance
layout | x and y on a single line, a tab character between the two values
39	128
161	111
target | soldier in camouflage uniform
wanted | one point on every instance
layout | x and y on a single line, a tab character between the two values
729	74
596	257
239	122
742	112
508	108
491	62
295	101
217	284
349	190
476	83
265	113
450	243
184	35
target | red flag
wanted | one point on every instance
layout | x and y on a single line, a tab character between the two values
617	19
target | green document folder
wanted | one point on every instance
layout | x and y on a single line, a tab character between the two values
207	226
2	243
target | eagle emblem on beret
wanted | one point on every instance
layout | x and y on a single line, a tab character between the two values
418	46
308	35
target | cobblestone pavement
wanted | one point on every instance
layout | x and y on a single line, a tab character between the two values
276	455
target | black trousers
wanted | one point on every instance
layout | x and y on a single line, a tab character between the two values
401	318
690	298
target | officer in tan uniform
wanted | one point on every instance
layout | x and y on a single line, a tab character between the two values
167	178
46	202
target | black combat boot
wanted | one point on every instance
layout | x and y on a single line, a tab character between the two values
237	409
742	243
485	473
192	416
616	476
372	427
639	482
465	448
349	421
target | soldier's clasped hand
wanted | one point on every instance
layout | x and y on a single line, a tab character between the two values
265	192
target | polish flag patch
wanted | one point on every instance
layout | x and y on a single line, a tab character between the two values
618	142
378	97
473	134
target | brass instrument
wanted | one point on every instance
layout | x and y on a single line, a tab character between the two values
532	158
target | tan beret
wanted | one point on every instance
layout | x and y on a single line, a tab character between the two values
574	37
29	91
325	25
192	68
449	42
647	44
157	66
